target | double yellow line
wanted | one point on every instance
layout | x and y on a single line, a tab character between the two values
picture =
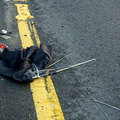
45	99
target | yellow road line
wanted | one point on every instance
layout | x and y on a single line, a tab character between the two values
23	12
25	34
33	29
44	95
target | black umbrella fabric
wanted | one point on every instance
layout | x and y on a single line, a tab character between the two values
16	63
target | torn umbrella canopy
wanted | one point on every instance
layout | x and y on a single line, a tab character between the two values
15	64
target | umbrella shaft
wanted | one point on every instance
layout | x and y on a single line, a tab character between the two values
72	66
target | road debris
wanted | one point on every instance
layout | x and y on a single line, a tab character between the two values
5	37
97	104
57	61
2	47
5	34
15	63
28	64
113	107
36	73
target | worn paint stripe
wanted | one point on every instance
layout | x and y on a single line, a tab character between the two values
33	29
44	95
23	12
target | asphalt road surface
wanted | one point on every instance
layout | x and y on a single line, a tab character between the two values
84	28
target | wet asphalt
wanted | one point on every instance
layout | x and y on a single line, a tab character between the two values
84	28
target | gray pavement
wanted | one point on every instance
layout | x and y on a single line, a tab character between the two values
15	98
85	28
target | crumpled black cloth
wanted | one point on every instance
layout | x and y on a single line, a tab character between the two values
15	63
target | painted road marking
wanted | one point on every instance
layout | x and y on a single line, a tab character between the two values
33	29
23	13
44	95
